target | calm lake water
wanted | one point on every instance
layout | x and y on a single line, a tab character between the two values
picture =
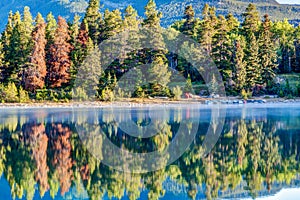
242	151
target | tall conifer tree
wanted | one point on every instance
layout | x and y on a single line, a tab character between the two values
35	73
93	19
59	64
267	52
239	64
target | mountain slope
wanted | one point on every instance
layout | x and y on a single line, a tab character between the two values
172	9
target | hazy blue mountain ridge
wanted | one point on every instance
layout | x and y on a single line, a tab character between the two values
172	9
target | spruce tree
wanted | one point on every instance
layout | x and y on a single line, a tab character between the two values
131	20
51	27
113	24
233	24
188	27
5	42
88	76
207	28
152	24
93	19
251	21
50	34
159	72
253	63
284	33
221	50
297	49
239	64
39	19
267	52
74	29
153	16
20	45
82	46
1	63
155	56
35	73
58	74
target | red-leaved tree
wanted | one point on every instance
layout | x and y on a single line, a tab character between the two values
60	63
36	72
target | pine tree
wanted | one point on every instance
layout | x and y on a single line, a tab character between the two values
93	19
35	73
131	20
50	28
152	24
253	63
82	46
20	45
233	24
221	50
188	27
156	54
1	63
297	49
39	19
89	75
84	42
113	24
50	34
240	73
12	56
251	21
207	28
267	53
59	64
131	24
159	72
284	32
74	29
5	40
153	17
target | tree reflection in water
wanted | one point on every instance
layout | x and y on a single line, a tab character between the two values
43	149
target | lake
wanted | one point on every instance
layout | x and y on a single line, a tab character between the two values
151	152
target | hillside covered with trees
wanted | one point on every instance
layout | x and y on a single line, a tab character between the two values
40	57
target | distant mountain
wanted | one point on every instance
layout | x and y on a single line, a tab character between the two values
172	9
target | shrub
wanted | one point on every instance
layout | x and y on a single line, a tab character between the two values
298	89
41	95
23	96
120	93
177	92
11	93
107	95
79	94
281	93
139	92
245	95
2	94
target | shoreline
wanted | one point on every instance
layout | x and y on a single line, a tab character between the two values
147	102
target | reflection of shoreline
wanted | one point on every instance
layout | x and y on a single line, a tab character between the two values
145	102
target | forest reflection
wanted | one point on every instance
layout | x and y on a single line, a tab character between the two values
42	151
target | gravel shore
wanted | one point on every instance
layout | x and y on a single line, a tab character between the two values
144	102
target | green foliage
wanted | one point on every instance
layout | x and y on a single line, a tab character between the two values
107	95
248	55
177	92
188	85
245	95
79	94
11	93
23	96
